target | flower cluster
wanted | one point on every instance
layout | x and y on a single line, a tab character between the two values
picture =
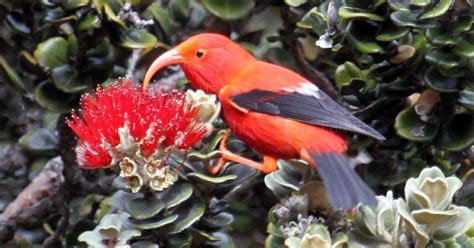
122	123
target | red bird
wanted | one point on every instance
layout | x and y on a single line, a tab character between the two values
274	110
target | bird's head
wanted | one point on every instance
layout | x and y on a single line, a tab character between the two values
208	60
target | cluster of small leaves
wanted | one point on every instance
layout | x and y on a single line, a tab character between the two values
426	217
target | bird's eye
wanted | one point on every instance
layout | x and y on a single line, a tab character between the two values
199	53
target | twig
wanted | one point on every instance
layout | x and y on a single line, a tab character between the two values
312	73
36	201
54	240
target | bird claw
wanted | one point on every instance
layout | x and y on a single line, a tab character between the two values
223	149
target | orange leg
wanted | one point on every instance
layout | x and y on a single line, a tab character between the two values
269	163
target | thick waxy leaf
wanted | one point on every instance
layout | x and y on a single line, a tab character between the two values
439	36
12	75
41	140
459	134
74	4
465	50
143	208
392	32
163	17
176	194
410	19
67	79
224	240
441	59
229	9
409	126
362	40
48	96
138	38
189	212
427	216
439	82
295	3
89	21
112	16
353	14
179	8
52	52
456	226
439	9
219	220
156	222
211	180
421	234
144	244
179	240
347	73
420	3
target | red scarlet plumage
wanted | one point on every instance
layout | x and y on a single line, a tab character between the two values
274	110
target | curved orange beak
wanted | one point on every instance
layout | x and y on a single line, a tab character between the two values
170	57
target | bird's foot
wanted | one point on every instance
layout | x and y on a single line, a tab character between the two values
269	163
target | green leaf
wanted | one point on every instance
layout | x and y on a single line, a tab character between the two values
465	50
143	208
112	16
12	75
155	223
346	73
409	126
163	17
179	8
438	82
229	9
219	220
459	134
314	20
49	97
295	3
176	194
392	32
74	4
362	41
89	21
144	244
67	79
224	240
408	18
179	240
463	24
138	38
189	212
439	36
212	180
42	140
348	13
51	53
420	3
441	59
439	9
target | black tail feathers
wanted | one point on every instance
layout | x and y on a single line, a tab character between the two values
344	187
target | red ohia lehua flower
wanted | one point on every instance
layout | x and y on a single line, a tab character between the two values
122	123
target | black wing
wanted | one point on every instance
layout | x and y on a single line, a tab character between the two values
314	109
